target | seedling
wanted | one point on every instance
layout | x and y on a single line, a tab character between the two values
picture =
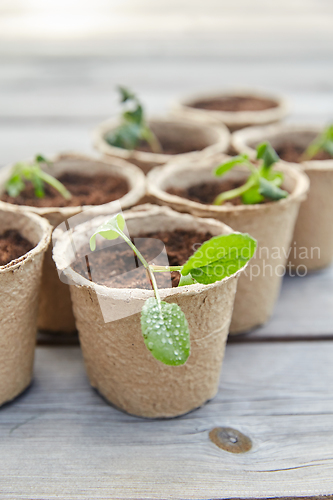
324	142
133	127
263	182
32	172
164	326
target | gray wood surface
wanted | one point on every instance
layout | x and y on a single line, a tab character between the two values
61	440
304	309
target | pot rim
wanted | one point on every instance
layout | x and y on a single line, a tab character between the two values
236	117
139	293
241	138
221	132
133	175
42	245
172	168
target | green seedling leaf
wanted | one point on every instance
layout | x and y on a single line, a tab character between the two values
15	185
267	154
38	183
324	142
110	230
41	159
186	280
328	147
23	172
135	116
252	196
273	176
127	136
165	332
125	94
133	127
262	182
271	191
228	165
219	257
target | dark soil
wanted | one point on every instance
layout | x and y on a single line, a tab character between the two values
13	246
85	189
293	153
111	266
206	192
235	104
168	147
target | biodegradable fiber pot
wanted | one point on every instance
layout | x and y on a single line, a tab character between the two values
55	308
189	139
19	288
312	243
118	363
200	108
272	225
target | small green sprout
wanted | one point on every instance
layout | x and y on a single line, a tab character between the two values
263	182
324	142
164	326
31	172
133	127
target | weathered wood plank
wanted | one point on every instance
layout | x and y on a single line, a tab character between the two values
304	309
141	27
61	440
21	139
77	89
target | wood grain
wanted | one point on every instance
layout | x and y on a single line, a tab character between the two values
303	310
61	440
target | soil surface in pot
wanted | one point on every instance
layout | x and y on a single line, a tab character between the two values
85	189
169	147
13	246
293	153
235	104
116	266
206	192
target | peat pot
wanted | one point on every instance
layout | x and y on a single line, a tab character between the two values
181	139
235	108
55	308
20	281
271	224
118	363
312	243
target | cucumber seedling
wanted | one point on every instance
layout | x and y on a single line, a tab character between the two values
164	326
133	126
324	142
262	183
32	172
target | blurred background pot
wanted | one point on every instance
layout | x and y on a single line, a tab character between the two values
182	138
234	108
313	236
20	281
271	224
118	363
55	308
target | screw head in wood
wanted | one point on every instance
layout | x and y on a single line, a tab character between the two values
230	440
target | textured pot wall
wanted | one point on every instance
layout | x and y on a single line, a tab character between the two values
209	139
19	290
313	236
233	120
55	310
117	361
272	224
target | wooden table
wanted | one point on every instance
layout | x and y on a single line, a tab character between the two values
60	439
